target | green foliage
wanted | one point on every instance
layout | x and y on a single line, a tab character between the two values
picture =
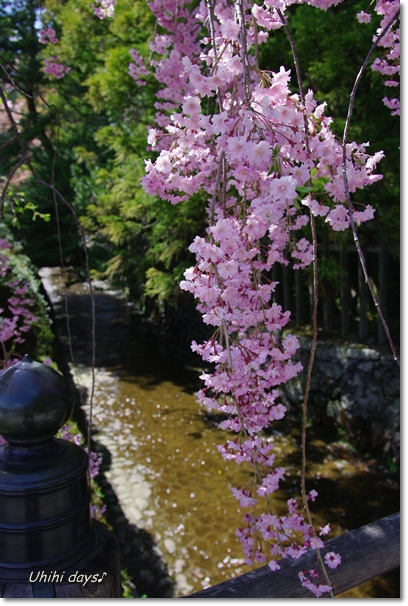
128	587
21	207
139	242
330	271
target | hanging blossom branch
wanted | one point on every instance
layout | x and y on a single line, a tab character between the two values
386	37
387	8
313	348
255	155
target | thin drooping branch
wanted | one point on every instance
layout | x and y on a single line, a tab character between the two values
244	50
210	9
14	126
7	183
66	304
92	296
3	145
10	78
61	255
347	189
26	160
360	73
313	347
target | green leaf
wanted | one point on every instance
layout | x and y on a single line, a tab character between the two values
303	189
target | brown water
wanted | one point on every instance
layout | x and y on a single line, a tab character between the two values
166	470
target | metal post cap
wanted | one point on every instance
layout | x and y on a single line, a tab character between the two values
35	402
45	521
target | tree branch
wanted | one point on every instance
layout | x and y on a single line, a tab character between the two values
315	304
347	189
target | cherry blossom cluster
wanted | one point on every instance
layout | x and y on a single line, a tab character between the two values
18	318
266	159
47	35
104	8
389	64
53	66
137	68
363	17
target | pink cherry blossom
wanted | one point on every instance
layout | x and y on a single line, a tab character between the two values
389	65
53	67
104	8
273	565
316	543
324	530
313	583
365	215
137	68
192	106
243	497
48	35
338	218
332	559
363	17
229	29
312	495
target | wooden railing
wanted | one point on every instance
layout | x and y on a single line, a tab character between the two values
366	553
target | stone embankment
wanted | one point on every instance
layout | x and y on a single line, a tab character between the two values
355	389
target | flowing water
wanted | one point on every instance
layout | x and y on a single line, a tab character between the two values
165	468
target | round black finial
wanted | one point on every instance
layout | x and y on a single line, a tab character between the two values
35	401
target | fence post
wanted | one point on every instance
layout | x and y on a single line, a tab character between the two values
49	545
344	292
383	287
363	298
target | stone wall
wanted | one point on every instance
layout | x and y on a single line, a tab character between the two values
355	390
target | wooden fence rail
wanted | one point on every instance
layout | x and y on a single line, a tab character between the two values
366	553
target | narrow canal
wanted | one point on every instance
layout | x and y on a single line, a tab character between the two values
163	464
